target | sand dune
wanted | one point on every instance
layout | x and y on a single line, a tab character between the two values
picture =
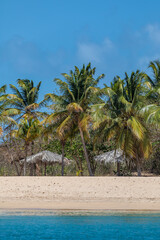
92	193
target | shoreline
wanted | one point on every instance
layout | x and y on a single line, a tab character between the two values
68	205
73	212
80	194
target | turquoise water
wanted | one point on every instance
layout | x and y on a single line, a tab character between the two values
125	226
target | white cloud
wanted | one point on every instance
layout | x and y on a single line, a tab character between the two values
150	43
132	50
154	32
94	52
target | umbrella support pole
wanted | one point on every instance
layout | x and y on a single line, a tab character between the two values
45	165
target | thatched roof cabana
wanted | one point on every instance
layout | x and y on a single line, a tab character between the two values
46	157
110	157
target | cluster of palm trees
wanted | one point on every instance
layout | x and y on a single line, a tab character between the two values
124	112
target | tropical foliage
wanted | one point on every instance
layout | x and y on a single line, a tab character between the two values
23	101
84	120
71	108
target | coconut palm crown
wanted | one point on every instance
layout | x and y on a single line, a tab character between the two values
24	99
71	107
155	68
152	109
4	116
124	123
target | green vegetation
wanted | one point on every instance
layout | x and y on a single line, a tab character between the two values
83	121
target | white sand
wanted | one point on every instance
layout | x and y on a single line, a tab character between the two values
92	193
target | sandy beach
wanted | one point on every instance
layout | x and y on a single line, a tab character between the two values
80	193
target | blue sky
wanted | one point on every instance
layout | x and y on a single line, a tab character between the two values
42	38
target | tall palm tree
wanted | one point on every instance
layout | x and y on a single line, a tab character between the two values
124	123
77	93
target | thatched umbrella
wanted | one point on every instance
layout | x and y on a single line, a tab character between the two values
46	157
115	157
110	157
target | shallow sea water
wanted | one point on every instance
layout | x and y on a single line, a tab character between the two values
79	225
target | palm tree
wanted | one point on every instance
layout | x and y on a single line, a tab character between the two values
71	108
134	84
123	122
155	67
24	100
4	116
152	109
28	130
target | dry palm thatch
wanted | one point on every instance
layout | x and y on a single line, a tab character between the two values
46	157
110	157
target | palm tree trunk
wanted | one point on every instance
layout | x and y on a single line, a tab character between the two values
25	160
118	168
138	164
32	152
80	164
138	168
16	167
62	143
85	152
24	167
45	169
